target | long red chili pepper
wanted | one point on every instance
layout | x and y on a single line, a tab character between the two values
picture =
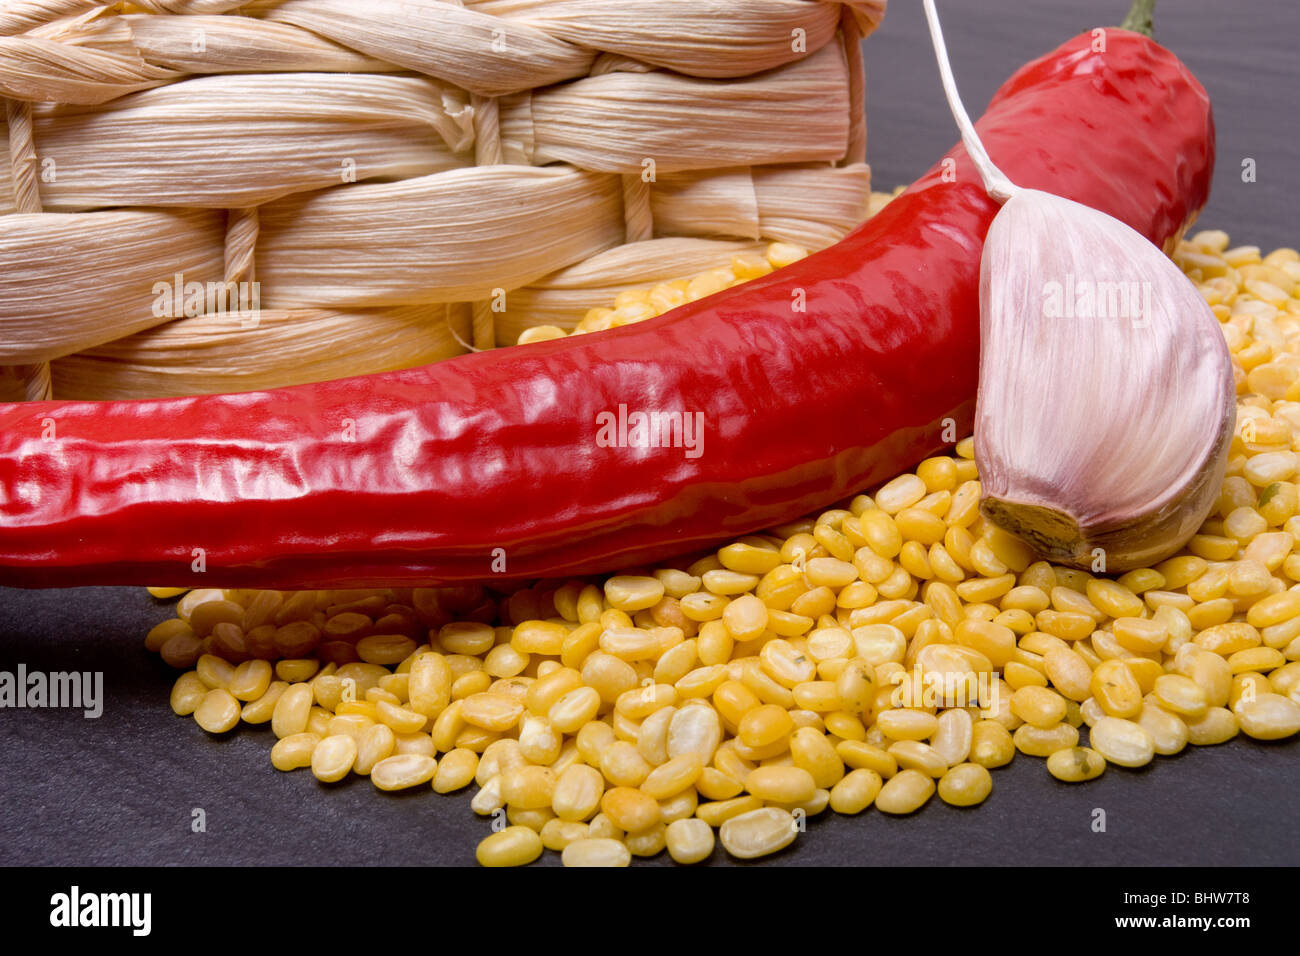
489	465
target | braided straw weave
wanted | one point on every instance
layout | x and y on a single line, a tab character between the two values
391	182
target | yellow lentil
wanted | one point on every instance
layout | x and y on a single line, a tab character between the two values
1122	742
1076	764
294	752
906	792
218	711
758	832
402	771
965	785
333	757
513	846
766	672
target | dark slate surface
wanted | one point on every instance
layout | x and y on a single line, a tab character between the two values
122	789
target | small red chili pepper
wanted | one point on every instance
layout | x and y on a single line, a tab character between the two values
489	465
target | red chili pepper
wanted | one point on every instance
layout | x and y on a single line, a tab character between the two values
420	476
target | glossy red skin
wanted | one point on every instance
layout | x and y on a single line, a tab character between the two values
497	450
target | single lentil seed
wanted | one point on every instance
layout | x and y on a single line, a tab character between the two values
758	832
906	792
333	758
218	711
1076	764
513	846
965	785
1122	742
294	752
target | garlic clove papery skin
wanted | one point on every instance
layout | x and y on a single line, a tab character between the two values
1106	398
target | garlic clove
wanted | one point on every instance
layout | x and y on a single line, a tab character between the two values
1106	397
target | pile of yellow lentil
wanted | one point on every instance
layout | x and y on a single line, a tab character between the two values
637	305
770	681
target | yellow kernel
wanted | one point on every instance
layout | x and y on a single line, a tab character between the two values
557	834
1180	571
374	744
1181	695
689	840
694	728
748	559
1067	625
1224	639
1210	613
819	696
726	583
855	791
939	474
467	637
914	755
1219	725
918	525
758	832
907	724
765	725
1116	689
1138	582
781	784
902	492
1215	547
513	846
745	618
1113	599
1076	764
1255	659
1038	706
292	711
813	751
294	752
985	590
994	641
863	756
965	785
596	852
386	650
1241	524
528	787
333	757
1043	742
905	792
1141	635
623	765
630	809
218	711
455	770
187	693
1122	742
402	771
782	254
1168	731
630	593
492	711
1269	716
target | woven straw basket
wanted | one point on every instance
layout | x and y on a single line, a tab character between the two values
384	183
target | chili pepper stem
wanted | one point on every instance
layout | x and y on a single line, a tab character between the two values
996	184
1139	18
